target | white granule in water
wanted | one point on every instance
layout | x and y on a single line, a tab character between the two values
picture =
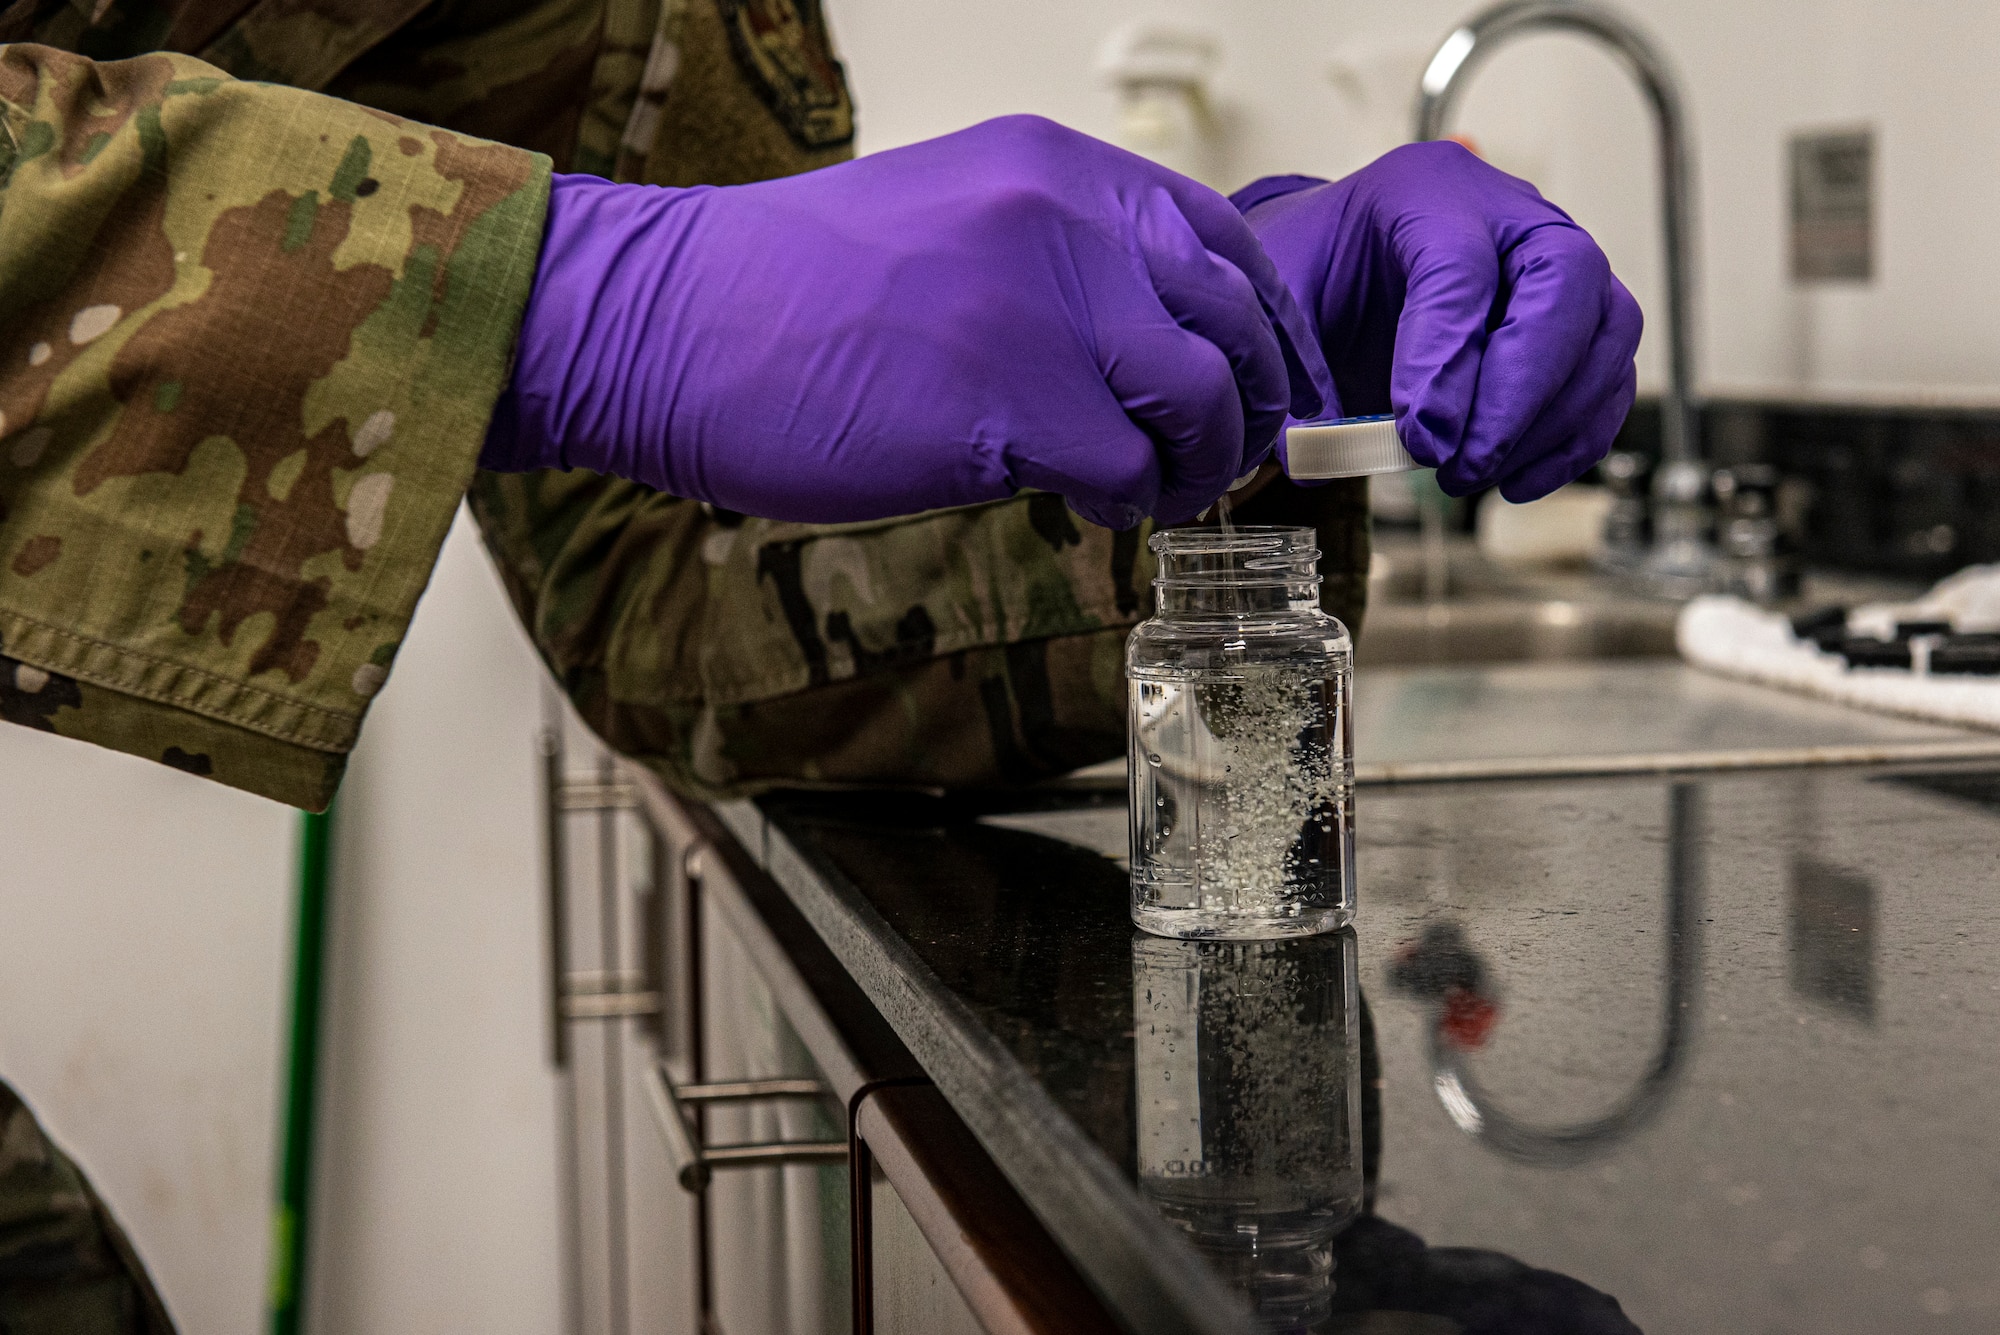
1270	770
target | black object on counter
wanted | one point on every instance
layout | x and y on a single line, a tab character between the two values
1817	625
1825	629
1387	1271
1967	655
1865	652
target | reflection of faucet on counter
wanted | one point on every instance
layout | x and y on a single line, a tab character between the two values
1444	971
1831	918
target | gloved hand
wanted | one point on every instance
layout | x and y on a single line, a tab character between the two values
1455	296
1015	305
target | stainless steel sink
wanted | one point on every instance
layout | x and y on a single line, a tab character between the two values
1451	605
1501	630
1446	603
1408	570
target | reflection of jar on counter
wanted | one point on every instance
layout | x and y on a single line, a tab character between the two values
1249	1108
1241	763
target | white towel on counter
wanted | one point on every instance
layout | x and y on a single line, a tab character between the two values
1738	639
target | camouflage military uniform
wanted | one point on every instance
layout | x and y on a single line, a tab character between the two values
251	333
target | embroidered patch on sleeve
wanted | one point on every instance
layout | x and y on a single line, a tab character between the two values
782	45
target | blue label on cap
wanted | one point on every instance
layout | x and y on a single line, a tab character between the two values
1349	421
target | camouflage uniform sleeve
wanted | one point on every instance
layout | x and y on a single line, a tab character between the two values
249	340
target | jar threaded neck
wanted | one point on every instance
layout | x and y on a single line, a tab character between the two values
1239	570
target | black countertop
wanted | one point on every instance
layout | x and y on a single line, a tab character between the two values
1722	1049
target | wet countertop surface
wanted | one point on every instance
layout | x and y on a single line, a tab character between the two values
1695	1054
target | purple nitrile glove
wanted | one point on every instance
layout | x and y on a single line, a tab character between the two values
1456	297
1015	305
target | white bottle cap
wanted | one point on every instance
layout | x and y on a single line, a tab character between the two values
1345	447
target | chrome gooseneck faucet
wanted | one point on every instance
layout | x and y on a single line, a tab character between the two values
1680	552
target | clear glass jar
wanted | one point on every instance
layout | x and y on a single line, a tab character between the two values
1241	761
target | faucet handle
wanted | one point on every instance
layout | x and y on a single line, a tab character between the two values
1759	551
1625	472
1684	482
1628	523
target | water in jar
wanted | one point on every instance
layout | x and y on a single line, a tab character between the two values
1241	812
1241	765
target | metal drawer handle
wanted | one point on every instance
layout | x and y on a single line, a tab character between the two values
597	995
695	1163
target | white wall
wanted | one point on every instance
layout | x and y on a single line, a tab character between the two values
436	1192
145	921
145	956
1552	109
